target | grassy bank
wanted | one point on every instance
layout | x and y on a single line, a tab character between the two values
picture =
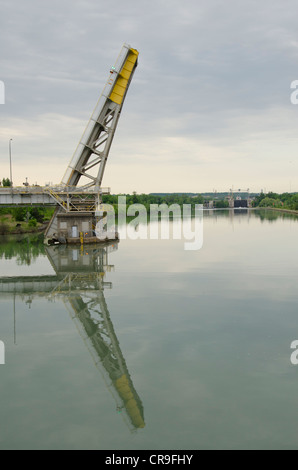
8	225
22	220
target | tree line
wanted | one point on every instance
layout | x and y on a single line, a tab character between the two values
5	182
271	199
278	201
147	199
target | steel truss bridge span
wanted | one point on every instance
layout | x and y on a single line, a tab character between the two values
68	198
81	188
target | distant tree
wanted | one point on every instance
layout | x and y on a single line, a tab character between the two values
19	213
221	204
6	182
270	202
258	199
293	202
32	222
37	214
273	195
134	198
22	214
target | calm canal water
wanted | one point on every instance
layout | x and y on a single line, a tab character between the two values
143	345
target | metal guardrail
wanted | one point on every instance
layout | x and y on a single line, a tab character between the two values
69	198
55	188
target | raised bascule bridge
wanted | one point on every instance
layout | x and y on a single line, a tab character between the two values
78	199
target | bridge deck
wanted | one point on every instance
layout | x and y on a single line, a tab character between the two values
43	195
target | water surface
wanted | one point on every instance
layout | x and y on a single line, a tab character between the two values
143	345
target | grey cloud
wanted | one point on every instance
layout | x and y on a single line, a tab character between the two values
206	68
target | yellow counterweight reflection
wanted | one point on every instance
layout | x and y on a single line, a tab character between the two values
80	282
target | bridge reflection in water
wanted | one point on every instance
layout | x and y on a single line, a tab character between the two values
80	282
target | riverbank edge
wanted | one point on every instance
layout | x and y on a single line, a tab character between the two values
287	211
18	231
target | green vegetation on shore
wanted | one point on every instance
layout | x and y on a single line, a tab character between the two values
147	199
23	220
277	201
18	220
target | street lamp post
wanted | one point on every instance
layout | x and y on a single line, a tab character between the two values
10	140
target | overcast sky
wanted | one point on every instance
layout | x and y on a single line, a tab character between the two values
208	108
